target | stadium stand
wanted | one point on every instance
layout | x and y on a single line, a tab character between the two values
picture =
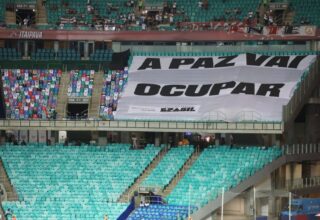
30	93
115	82
60	62
56	182
219	167
168	167
81	83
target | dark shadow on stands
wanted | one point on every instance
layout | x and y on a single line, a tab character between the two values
119	60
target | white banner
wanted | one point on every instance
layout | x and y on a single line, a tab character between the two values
231	88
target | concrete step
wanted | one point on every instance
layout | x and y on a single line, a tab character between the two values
10	192
94	105
126	196
63	96
180	174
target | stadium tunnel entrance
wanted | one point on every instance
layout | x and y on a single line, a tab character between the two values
77	111
25	17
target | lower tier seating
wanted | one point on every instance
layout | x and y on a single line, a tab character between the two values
72	182
219	167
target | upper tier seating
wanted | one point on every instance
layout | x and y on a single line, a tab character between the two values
30	93
156	212
77	10
306	11
101	55
81	83
115	82
75	13
168	167
56	182
220	167
9	54
217	9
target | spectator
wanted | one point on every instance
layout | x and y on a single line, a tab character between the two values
23	143
90	9
171	19
66	142
105	217
48	142
8	213
270	20
200	3
26	22
15	142
140	5
205	4
265	19
14	217
134	142
1	193
174	7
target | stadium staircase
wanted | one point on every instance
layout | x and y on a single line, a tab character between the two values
302	94
62	96
167	190
94	106
10	192
292	154
125	197
41	18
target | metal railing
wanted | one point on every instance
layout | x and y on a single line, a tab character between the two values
143	125
297	149
301	183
